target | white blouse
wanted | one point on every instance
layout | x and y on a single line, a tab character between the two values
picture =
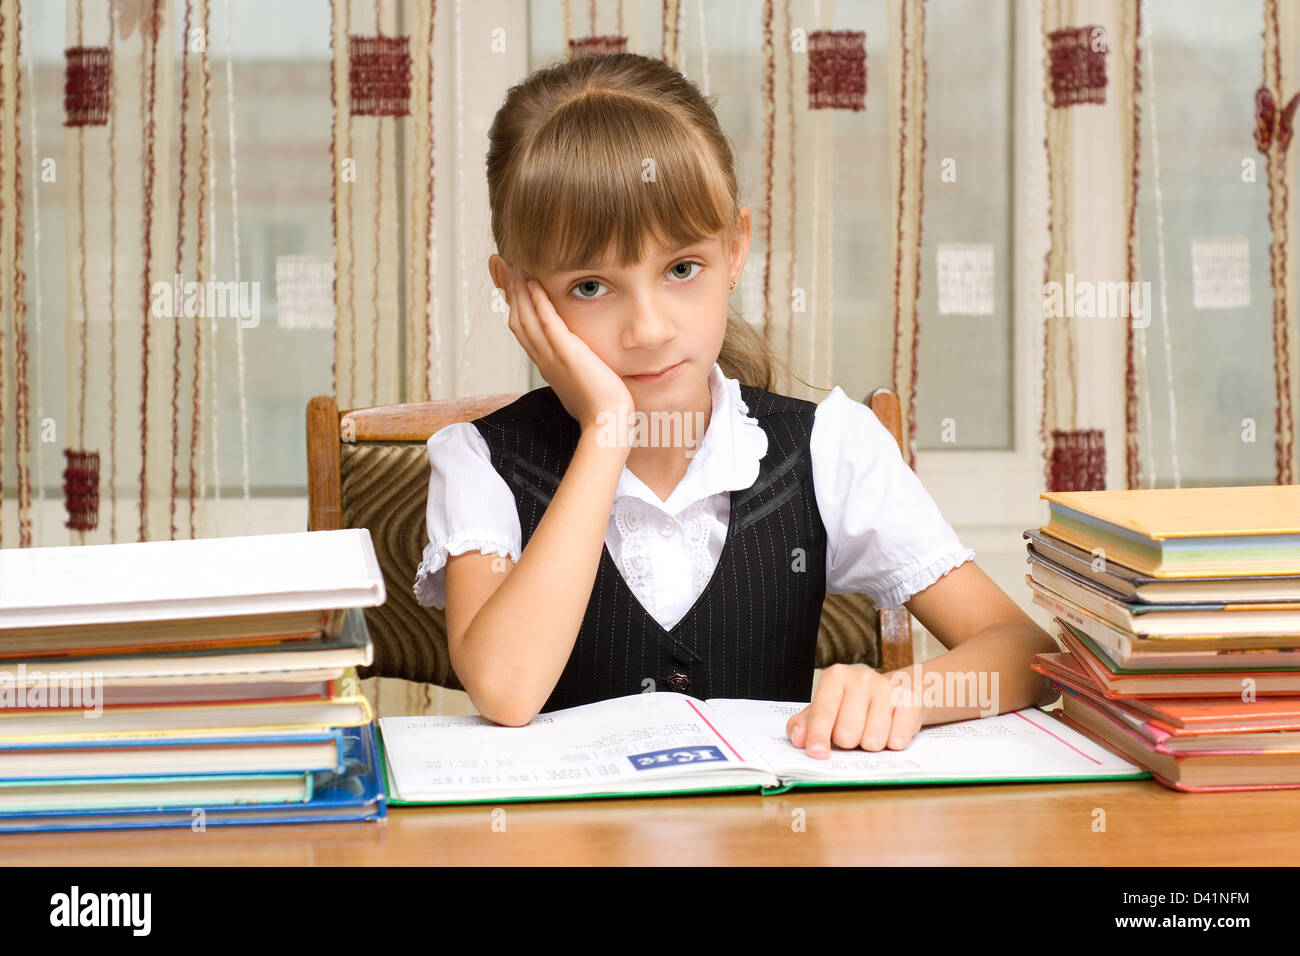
885	535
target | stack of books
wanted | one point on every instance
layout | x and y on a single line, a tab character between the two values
189	683
1179	610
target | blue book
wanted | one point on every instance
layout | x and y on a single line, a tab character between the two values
353	792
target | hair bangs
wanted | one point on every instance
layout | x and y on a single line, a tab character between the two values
608	178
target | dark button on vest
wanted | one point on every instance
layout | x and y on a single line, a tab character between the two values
679	682
753	631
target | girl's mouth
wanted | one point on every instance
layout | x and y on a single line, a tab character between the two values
658	376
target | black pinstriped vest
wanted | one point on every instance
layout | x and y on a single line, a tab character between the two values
753	631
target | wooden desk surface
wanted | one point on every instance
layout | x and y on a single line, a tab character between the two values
1002	824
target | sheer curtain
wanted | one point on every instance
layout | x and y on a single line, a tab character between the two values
262	166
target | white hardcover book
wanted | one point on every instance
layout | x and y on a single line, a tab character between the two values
198	577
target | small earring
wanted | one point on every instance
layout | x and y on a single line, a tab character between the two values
733	283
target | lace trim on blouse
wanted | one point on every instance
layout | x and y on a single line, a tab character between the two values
921	578
634	553
431	578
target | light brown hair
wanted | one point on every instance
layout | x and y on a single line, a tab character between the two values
569	154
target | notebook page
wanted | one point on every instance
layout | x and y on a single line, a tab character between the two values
634	742
1027	744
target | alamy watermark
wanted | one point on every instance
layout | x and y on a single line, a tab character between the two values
69	690
77	908
941	689
652	429
1085	299
222	300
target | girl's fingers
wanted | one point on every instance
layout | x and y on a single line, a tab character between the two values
821	718
545	334
880	717
904	724
853	715
519	306
550	325
530	334
795	727
514	321
907	723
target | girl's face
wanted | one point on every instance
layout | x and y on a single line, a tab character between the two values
669	310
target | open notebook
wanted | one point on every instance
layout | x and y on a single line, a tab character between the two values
663	743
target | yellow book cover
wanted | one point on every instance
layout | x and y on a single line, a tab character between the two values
1191	532
1161	513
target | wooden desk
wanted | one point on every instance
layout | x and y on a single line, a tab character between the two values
1003	824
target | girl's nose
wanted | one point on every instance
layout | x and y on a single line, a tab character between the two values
649	327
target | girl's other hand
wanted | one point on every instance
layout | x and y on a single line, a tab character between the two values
591	391
854	707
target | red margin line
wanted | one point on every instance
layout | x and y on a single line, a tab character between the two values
1050	734
692	706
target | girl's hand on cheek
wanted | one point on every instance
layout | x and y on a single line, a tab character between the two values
590	390
854	707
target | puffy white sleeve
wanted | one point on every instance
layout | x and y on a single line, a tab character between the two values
470	507
885	535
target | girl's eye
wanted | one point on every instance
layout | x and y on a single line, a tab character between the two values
586	283
581	289
688	263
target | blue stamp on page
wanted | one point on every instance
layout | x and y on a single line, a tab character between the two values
676	756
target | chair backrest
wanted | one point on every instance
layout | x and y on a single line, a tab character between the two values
368	468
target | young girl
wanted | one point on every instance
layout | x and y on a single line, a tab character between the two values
578	560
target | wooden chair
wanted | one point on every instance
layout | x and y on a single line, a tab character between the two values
368	468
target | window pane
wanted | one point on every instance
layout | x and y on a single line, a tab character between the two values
966	310
1207	68
862	249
